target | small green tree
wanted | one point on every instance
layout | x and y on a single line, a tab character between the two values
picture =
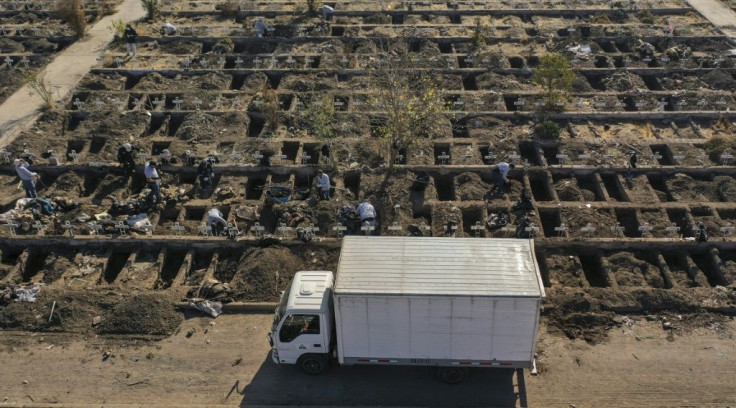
152	8
555	76
547	129
118	28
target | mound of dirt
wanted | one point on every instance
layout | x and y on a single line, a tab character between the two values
307	83
11	47
634	270
499	82
149	313
719	79
622	81
102	82
565	270
685	188
568	190
470	187
577	218
68	184
39	46
255	81
204	127
56	265
114	126
146	313
581	84
212	81
181	47
261	273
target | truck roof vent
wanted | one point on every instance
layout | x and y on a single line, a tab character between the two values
306	289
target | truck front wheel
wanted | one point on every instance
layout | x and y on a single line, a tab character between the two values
452	375
313	364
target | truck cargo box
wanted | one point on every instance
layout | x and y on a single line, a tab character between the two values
437	301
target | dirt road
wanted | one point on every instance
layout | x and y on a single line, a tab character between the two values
226	363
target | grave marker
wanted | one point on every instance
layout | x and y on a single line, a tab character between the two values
38	227
339	230
588	230
478	228
257	229
561	230
645	229
74	156
395	228
232	230
11	226
122	227
443	158
178	229
283	229
726	159
204	229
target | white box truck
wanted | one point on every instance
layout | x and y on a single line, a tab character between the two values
452	303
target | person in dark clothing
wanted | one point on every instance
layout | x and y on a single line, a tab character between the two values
206	173
126	157
325	150
701	235
130	35
632	160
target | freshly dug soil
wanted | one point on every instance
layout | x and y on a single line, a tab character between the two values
565	271
470	187
146	313
719	79
623	81
634	270
568	190
261	273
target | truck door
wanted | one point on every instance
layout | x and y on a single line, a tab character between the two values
301	334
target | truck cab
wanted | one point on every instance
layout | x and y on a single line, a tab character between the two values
303	323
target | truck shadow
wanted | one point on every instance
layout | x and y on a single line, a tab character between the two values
387	386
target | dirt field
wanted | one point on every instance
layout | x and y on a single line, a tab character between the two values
613	182
225	362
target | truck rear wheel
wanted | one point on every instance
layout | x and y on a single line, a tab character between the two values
313	364
452	375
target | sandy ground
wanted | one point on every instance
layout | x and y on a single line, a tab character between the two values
225	362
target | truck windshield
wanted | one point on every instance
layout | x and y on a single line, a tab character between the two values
281	309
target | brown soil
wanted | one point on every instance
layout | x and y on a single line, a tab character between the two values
144	313
470	187
577	218
568	190
565	271
634	270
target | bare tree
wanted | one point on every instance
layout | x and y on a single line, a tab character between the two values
407	102
37	82
73	13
